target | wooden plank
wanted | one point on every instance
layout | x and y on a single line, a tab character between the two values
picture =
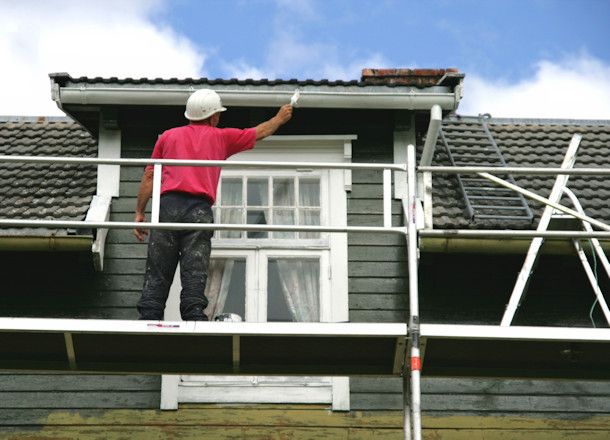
372	219
371	269
379	385
125	267
131	174
129	188
71	382
120	282
208	415
256	433
354	239
126	216
373	394
378	301
522	420
71	399
124	205
75	313
510	434
366	191
117	236
126	250
369	253
183	433
295	415
370	206
378	401
583	404
381	285
515	386
71	300
378	315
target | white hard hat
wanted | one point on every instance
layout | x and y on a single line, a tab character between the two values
202	104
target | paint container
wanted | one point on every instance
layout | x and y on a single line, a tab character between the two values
228	317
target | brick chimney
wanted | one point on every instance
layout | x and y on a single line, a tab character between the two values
408	77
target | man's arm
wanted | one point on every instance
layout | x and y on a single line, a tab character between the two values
144	194
269	127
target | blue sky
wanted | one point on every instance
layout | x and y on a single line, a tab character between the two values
536	58
493	38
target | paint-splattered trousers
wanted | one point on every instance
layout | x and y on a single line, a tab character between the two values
168	247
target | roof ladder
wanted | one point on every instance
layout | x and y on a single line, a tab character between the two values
549	213
483	199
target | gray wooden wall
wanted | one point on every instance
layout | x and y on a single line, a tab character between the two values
66	286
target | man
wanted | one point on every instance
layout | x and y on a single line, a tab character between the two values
187	196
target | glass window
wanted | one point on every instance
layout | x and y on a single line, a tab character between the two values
226	287
278	200
293	289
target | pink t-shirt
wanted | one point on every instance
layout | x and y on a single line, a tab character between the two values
201	142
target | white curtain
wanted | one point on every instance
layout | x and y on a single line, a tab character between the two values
231	206
217	286
309	192
300	281
309	196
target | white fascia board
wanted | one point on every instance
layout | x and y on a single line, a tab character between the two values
407	98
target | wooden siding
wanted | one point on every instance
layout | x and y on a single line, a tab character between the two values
299	422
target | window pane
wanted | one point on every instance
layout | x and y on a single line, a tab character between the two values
257	192
226	287
283	217
233	216
293	290
257	217
231	192
309	192
309	217
283	192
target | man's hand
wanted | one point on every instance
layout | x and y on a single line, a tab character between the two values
140	233
284	114
269	127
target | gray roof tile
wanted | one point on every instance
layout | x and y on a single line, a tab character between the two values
45	191
525	143
419	78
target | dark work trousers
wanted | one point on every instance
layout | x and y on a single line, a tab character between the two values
168	247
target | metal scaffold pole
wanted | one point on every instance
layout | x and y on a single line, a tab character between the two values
414	363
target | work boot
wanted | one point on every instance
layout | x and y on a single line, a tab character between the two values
195	314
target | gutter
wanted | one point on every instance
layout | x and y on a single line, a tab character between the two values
497	246
398	100
51	243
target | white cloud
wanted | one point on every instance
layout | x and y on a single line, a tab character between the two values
576	87
297	9
289	57
242	70
103	38
291	54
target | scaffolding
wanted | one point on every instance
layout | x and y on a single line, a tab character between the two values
406	343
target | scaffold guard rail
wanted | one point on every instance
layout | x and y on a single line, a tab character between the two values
312	348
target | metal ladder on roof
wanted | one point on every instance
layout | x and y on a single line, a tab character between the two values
483	199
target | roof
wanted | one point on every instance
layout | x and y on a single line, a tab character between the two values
45	191
525	142
83	98
370	77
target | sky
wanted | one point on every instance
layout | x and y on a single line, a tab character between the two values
522	58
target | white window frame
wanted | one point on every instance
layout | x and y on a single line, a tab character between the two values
301	243
331	248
